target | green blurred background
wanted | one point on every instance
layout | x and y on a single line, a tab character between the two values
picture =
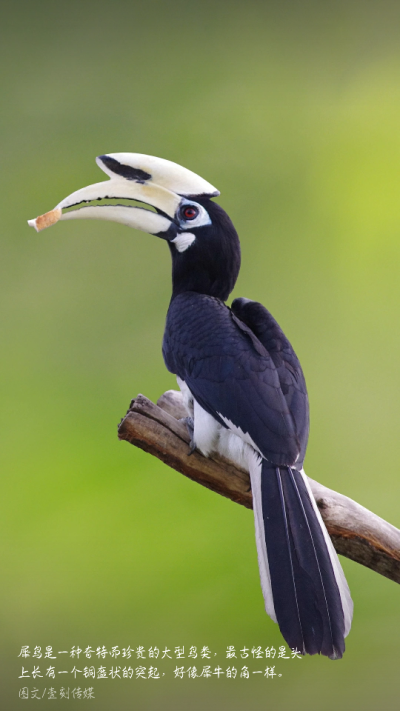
293	110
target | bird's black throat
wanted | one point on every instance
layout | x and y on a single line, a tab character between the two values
211	264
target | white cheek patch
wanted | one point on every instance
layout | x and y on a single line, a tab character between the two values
183	241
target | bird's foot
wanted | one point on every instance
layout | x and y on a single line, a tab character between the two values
189	422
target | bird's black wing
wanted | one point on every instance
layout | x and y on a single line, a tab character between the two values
242	370
230	373
291	378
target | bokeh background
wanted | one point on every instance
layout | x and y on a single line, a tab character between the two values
293	110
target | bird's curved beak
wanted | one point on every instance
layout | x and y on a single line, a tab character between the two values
159	185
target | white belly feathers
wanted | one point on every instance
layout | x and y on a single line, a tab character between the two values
209	436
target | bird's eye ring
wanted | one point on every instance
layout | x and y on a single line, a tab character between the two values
189	212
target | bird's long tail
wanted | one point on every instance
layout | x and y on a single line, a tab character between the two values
304	587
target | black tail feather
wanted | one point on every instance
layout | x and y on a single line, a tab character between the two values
305	592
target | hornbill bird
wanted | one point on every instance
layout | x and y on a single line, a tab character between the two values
241	381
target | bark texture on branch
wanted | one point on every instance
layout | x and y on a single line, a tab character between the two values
356	532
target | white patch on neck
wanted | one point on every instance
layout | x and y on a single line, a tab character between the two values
183	241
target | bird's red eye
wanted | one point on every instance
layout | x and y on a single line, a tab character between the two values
190	212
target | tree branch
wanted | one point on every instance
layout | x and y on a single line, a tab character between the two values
356	532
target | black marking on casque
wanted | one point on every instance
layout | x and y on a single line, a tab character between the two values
125	171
